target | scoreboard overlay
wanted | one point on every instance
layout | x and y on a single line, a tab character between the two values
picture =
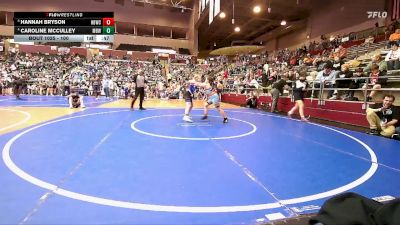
64	27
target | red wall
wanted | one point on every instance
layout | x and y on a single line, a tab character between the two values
37	49
342	112
79	51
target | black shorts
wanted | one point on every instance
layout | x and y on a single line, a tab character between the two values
298	95
96	88
188	97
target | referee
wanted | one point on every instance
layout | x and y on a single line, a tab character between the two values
139	81
18	85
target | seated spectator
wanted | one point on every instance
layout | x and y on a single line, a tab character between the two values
251	101
392	57
355	83
369	40
312	76
308	60
394	38
345	73
375	80
382	117
253	83
317	60
337	63
342	52
376	59
321	64
354	63
327	78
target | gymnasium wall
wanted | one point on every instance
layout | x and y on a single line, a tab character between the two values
124	13
330	17
151	41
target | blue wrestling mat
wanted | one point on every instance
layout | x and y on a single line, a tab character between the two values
115	166
47	101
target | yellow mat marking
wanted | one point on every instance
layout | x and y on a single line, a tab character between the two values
38	115
43	114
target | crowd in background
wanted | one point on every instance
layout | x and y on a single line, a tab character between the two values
54	75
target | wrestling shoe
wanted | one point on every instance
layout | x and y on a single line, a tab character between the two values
225	120
187	119
204	117
373	132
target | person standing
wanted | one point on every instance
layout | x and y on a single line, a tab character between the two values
139	81
210	90
299	90
18	84
188	96
106	87
66	89
277	90
96	86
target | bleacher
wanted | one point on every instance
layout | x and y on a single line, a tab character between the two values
348	112
360	50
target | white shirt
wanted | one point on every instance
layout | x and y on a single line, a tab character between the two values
140	81
393	55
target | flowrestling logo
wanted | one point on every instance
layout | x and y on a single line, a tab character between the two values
377	14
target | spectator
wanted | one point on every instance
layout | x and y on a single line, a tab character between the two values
375	80
251	100
337	63
354	63
355	83
376	59
392	57
322	63
66	89
342	52
394	38
369	40
382	117
326	77
308	60
345	73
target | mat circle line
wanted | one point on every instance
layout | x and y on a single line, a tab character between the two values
189	138
171	208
